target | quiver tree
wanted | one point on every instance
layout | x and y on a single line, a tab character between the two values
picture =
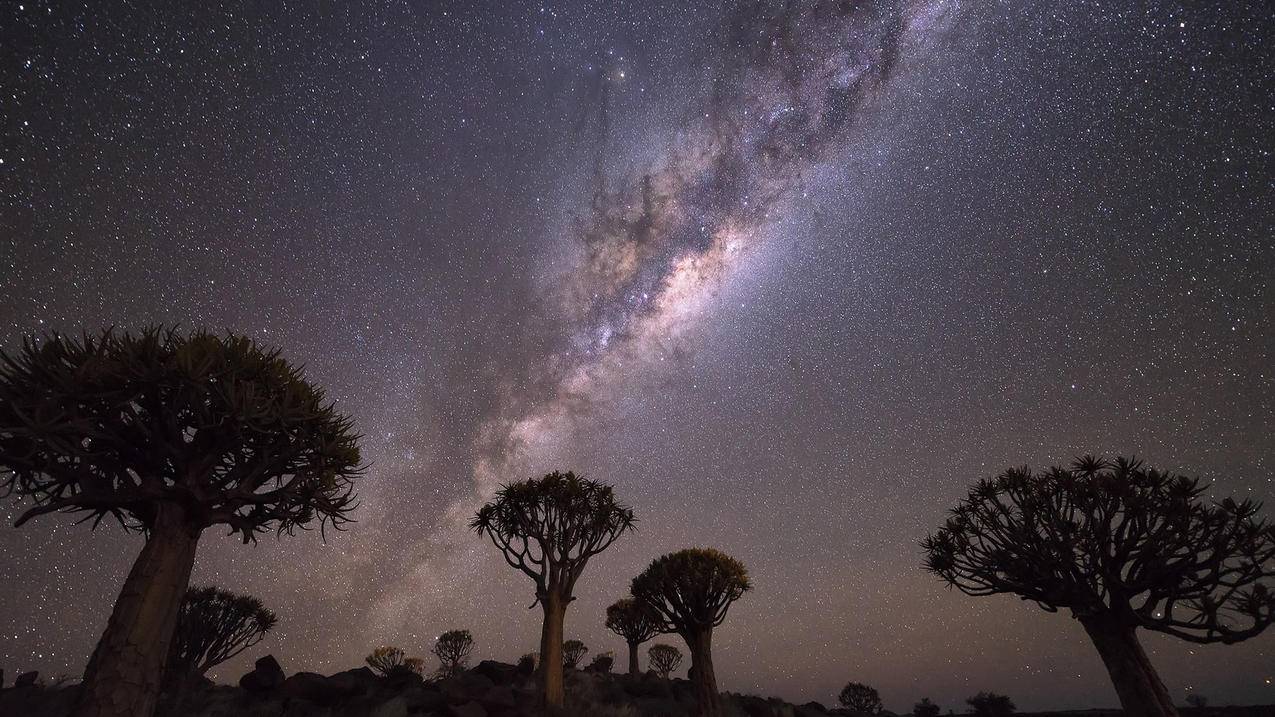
634	622
214	625
389	661
572	652
860	700
664	659
549	528
168	434
452	649
991	704
1121	547
690	592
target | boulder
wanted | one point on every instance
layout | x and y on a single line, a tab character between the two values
396	707
498	672
358	681
812	709
267	675
322	691
499	698
26	679
469	709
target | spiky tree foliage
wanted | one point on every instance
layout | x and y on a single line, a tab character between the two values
549	528
169	434
214	625
860	699
1120	546
602	662
388	661
452	649
664	659
690	592
634	622
925	708
572	652
990	704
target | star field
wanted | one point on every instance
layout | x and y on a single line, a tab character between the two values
609	237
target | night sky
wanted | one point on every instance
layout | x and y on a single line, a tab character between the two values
789	279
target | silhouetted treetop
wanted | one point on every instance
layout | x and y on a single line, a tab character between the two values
213	626
691	589
632	621
572	652
1135	545
116	423
452	649
991	704
664	659
560	520
860	699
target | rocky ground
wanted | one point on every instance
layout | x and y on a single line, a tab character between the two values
491	689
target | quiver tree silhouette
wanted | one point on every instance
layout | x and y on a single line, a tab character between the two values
860	700
664	659
549	528
168	434
690	592
990	704
452	649
925	708
634	622
1121	546
572	652
389	661
214	625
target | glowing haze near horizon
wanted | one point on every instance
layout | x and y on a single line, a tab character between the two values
789	276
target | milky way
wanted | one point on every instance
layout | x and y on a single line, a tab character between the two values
790	275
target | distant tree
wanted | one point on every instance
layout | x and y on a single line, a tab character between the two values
1121	546
452	649
634	622
990	704
572	652
214	625
925	708
169	434
549	528
690	592
390	661
527	663
860	700
602	662
664	659
1197	700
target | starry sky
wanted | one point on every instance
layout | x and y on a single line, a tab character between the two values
789	278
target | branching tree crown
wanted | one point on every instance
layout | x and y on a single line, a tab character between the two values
991	704
692	589
549	527
213	626
572	652
115	424
860	699
1117	539
388	661
452	650
632	621
664	659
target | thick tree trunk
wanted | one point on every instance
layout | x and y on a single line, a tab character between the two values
555	608
1139	688
123	675
633	659
706	695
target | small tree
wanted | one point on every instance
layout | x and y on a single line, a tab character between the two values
925	708
548	529
1122	547
664	659
213	626
990	704
634	622
690	592
452	650
389	661
860	700
602	662
572	652
168	434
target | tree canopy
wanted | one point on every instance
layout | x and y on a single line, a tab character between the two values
213	626
664	659
452	649
1114	538
114	424
860	699
691	589
632	621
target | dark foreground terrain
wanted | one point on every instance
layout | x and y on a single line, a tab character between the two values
492	689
